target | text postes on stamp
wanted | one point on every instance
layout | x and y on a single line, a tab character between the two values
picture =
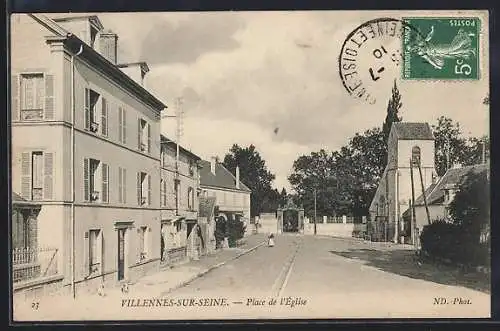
441	48
371	58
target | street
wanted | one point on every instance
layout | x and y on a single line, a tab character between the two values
300	277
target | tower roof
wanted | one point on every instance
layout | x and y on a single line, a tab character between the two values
412	131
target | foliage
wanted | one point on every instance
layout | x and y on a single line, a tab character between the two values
220	230
230	227
451	147
392	112
253	173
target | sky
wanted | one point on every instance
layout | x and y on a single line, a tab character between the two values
272	79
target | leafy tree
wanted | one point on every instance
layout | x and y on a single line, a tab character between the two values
253	172
283	197
393	108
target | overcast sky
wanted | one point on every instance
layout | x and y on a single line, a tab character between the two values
244	74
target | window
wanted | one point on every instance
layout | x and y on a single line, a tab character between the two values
415	155
190	198
163	193
122	125
37	175
122	185
96	181
143	189
143	243
191	169
96	112
24	230
144	136
95	252
32	96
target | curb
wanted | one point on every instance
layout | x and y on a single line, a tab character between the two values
206	271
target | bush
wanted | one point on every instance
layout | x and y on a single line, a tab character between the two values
232	228
454	242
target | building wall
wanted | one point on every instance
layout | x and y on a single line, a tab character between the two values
230	200
436	212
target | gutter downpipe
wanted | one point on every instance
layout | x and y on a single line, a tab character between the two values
73	288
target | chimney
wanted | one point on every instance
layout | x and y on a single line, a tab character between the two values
213	162
237	177
108	45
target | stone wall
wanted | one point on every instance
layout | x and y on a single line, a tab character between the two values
334	229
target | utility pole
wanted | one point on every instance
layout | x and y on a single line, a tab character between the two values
315	210
412	206
423	194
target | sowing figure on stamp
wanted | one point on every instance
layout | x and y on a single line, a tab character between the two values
459	48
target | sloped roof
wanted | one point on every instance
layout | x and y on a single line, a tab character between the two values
412	131
435	193
165	140
223	178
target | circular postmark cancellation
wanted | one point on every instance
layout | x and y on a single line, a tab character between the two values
371	58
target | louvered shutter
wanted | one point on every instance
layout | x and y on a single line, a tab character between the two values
120	185
139	189
99	250
48	176
105	182
86	179
104	117
87	109
120	124
149	190
124	118
149	138
139	134
86	249
14	93
124	179
49	97
26	175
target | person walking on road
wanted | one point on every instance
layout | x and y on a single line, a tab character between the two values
270	241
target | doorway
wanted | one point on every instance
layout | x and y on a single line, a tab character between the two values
291	220
121	254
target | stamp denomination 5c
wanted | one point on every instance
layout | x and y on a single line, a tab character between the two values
441	48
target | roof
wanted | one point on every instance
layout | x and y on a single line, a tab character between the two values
165	140
412	131
144	66
435	193
20	201
76	45
223	178
61	17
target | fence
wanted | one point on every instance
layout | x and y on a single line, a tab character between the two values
336	219
31	263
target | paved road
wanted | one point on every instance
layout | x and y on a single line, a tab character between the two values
336	278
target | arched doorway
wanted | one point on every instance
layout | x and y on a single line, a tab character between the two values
290	218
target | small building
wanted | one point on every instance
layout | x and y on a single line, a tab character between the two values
232	196
439	195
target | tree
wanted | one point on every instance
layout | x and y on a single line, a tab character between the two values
283	197
450	146
392	111
253	173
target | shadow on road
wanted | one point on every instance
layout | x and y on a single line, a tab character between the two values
405	263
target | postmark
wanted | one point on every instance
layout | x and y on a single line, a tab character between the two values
442	48
371	58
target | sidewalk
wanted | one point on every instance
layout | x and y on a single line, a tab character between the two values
154	285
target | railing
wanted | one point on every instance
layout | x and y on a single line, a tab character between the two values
31	263
31	114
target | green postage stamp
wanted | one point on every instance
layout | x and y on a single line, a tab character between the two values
441	48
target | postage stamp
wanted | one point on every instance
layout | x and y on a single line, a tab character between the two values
441	48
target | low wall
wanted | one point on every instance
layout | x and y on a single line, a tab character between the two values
335	229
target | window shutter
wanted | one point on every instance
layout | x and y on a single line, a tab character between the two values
86	249
120	124
149	138
26	175
87	109
124	118
48	170
100	249
14	93
149	190
124	183
139	189
86	186
120	185
105	183
104	117
161	192
139	133
49	97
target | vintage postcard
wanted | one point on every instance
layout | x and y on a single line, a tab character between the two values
250	165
